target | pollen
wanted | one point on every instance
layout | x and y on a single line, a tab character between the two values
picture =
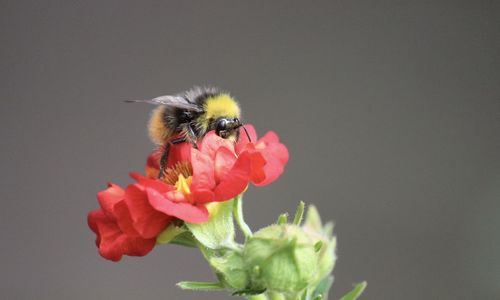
182	184
181	168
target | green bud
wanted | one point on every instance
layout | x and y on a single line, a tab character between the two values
281	258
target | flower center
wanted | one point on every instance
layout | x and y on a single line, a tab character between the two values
183	183
172	175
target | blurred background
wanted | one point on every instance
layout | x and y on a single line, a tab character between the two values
390	111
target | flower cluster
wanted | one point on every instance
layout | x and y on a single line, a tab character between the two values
129	220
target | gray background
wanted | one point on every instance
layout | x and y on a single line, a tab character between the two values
390	110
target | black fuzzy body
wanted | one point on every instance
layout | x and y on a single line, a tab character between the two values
181	121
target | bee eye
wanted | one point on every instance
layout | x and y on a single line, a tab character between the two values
221	126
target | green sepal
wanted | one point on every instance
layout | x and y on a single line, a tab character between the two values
313	220
249	292
356	292
282	219
167	235
231	269
256	297
299	213
323	288
218	231
184	239
200	286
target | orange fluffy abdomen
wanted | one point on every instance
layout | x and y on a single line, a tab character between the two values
158	131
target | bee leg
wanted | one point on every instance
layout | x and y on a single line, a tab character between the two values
178	141
163	160
164	156
191	136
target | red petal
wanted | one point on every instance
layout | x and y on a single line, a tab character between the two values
92	218
154	183
146	220
224	161
138	246
258	173
212	142
112	242
272	170
179	152
109	238
269	138
203	170
124	220
153	160
271	144
108	235
182	210
109	197
202	196
236	180
279	151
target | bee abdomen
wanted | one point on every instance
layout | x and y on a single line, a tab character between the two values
159	133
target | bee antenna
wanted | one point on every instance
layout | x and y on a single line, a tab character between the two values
248	136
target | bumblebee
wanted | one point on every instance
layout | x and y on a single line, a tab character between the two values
188	116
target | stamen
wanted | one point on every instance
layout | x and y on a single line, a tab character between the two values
183	168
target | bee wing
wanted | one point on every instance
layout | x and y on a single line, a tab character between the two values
172	101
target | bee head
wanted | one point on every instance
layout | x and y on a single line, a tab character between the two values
229	128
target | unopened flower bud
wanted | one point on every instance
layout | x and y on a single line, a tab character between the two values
281	258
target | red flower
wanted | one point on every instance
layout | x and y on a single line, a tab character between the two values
218	171
113	226
196	177
130	220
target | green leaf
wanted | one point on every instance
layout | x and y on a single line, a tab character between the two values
356	292
200	286
218	231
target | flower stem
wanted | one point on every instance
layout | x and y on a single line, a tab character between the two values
238	216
